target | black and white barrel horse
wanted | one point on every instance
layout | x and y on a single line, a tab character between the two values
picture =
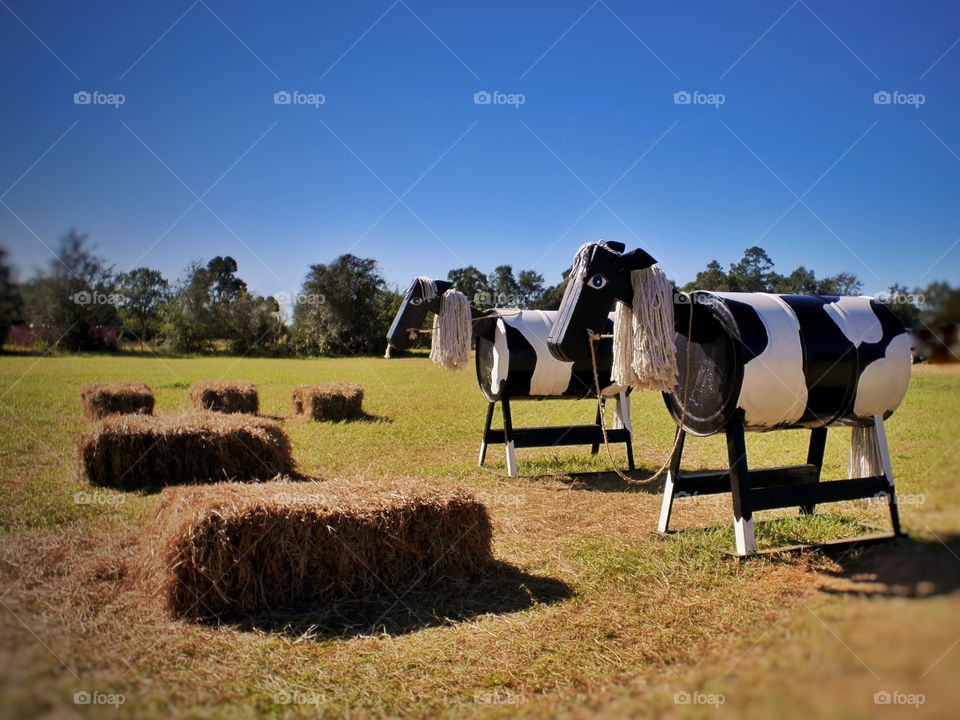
759	362
513	363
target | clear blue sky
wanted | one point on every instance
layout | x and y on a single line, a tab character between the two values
484	184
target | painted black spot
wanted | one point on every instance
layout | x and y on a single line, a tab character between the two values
753	333
890	325
829	360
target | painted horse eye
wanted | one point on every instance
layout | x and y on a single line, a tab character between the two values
598	281
416	301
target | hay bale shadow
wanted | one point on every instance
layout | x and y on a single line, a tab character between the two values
501	588
903	568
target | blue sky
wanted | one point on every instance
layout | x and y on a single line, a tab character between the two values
784	146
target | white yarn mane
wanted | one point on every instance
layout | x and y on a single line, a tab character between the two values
428	288
644	353
452	331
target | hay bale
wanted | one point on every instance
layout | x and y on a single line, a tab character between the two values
142	451
330	401
219	552
102	399
225	397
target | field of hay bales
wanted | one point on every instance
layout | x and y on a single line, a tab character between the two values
585	614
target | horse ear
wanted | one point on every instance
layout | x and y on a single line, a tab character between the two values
635	260
616	246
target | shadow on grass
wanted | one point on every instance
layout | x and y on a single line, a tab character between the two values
609	481
905	568
364	418
502	588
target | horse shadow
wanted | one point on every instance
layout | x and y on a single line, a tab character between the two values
904	568
499	589
640	480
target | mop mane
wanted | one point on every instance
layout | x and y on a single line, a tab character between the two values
644	352
452	331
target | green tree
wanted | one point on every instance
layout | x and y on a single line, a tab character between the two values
550	298
753	273
800	282
529	288
343	308
472	283
189	319
504	286
713	278
143	294
256	325
10	302
75	298
843	283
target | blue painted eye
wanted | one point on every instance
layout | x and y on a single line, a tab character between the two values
416	301
598	281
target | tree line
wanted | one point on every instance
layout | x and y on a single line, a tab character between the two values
342	308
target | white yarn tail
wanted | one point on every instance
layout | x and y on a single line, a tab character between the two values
452	332
644	349
864	453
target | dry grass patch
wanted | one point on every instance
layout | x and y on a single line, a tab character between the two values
142	451
225	397
230	550
102	399
330	401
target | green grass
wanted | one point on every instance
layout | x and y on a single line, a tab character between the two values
640	618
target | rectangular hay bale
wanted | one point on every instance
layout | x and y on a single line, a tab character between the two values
109	398
329	401
225	397
226	551
143	451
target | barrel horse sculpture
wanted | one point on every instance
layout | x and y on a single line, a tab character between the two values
513	363
757	362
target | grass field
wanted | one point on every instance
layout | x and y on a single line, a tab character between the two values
593	615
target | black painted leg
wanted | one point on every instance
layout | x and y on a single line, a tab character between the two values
818	444
508	437
486	429
740	489
595	448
